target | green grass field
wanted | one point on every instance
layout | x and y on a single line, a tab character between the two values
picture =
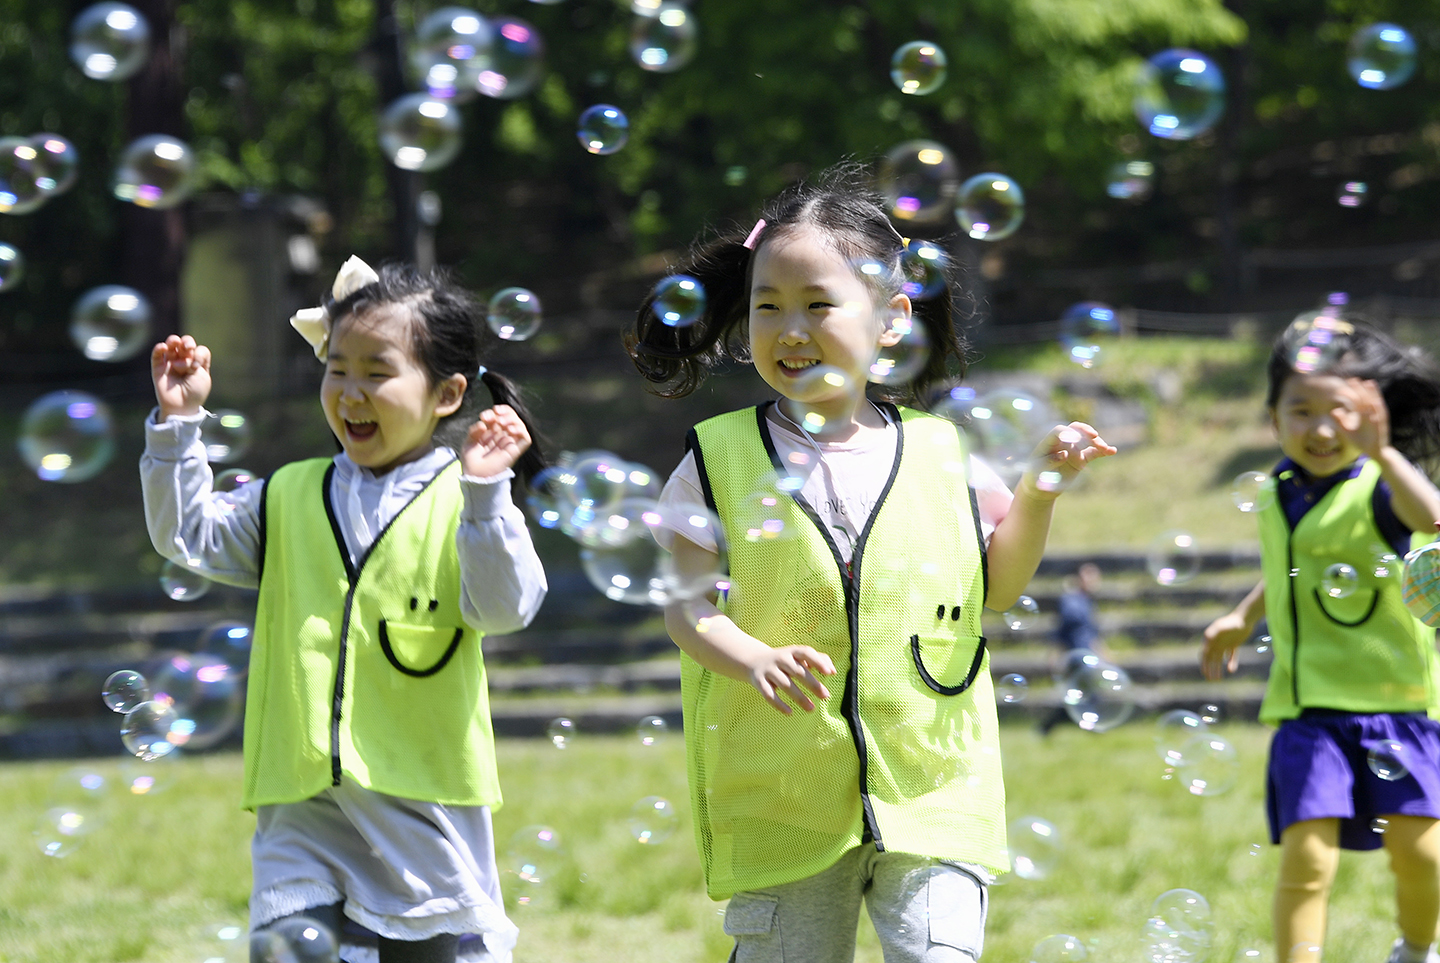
165	869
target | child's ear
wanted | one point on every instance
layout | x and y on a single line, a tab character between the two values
450	395
898	309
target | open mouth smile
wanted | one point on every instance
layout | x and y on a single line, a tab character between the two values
797	365
360	430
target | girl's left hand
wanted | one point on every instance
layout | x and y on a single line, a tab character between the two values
1363	417
1061	456
494	443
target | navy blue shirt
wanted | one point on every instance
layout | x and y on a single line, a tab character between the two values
1298	492
1077	629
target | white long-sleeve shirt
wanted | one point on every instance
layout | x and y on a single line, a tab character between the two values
218	533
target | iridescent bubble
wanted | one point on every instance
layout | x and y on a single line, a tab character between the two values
109	41
622	558
124	690
651	730
602	482
816	383
533	857
641	481
226	435
1387	759
110	323
1381	56
1352	194
513	314
603	129
1385	564
1340	581
900	362
1174	734
1097	695
1249	492
204	693
1060	948
679	300
233	480
919	179
452	45
517	60
20	177
1179	929
294	939
1210	714
228	641
1012	688
1316	340
151	778
770	513
1131	180
1179	94
12	267
925	266
1005	425
1086	330
60	829
146	730
66	436
182	583
156	172
552	497
57	163
1022	615
664	40
653	820
1035	847
918	67
561	731
420	133
1173	558
1210	766
990	207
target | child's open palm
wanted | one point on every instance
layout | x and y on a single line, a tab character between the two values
494	442
1363	417
180	369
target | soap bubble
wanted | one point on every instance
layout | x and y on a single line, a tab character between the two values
1174	734
1352	194
20	176
918	67
452	45
110	323
1059	948
513	314
679	301
205	694
622	558
225	435
552	498
664	40
1012	688
224	943
57	163
60	829
1173	558
229	642
919	179
817	382
1098	696
233	480
1131	180
1179	94
66	436
1262	644
294	939
146	778
1379	824
1210	714
602	481
1022	614
561	731
12	267
155	171
990	207
533	857
124	690
653	820
651	730
182	583
924	265
1035	847
603	129
109	41
770	513
1249	492
1179	929
641	481
146	730
517	60
1381	56
1420	585
1315	341
1210	765
1005	426
420	133
1387	759
1086	329
898	363
1340	581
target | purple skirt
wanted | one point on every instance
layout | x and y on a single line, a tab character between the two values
1320	768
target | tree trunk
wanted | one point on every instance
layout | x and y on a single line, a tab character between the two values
404	185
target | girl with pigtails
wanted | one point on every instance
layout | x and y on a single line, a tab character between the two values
871	572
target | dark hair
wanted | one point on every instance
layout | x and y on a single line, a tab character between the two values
846	209
1406	376
448	332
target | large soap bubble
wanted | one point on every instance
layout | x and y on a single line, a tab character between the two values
57	163
226	435
155	171
990	207
1381	56
1086	329
603	129
110	323
12	267
898	363
67	436
20	177
1035	847
110	41
679	300
1098	696
517	60
918	67
924	265
204	693
665	40
452	46
1180	94
420	133
514	313
919	179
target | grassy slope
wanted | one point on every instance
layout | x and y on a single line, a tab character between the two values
146	885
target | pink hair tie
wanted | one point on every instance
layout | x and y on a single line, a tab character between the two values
754	234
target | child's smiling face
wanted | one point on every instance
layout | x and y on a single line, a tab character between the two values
1304	417
377	397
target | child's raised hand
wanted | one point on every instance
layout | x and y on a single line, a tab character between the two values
791	670
180	369
1221	652
494	443
1363	417
1062	455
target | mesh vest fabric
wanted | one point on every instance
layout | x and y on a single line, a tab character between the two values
1361	653
370	674
888	757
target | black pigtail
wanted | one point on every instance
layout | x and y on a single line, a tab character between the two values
503	391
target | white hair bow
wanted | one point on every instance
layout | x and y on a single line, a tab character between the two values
314	323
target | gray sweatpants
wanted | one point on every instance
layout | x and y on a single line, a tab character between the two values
924	910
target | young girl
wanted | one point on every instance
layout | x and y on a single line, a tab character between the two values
1353	671
887	787
369	757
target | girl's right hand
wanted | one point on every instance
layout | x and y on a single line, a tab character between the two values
180	369
790	670
1223	639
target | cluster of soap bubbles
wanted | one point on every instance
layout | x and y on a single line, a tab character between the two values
34	169
1199	759
921	184
1179	928
81	799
